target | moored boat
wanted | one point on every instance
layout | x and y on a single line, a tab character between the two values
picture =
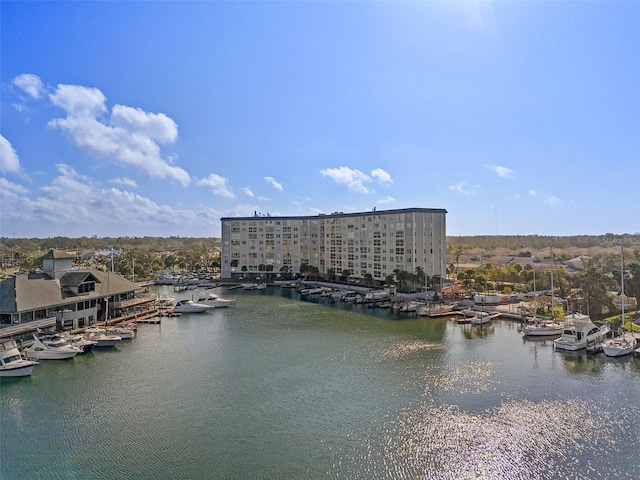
102	337
12	364
542	328
481	318
213	300
578	331
47	346
189	306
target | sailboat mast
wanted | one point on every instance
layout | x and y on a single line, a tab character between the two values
622	298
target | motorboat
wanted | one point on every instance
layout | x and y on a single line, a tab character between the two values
481	318
189	306
123	331
210	298
102	337
254	286
578	331
542	328
51	346
623	344
84	344
12	364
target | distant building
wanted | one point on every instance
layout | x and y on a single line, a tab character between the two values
67	297
376	243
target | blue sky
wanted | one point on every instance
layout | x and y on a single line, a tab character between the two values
159	118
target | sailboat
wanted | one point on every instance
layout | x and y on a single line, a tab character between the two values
102	336
538	327
623	344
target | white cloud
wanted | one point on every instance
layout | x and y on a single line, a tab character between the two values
462	188
100	208
381	175
218	185
264	199
503	172
273	182
386	200
30	84
156	126
351	177
247	191
129	135
546	198
125	182
9	161
10	189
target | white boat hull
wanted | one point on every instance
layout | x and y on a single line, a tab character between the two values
542	331
20	368
618	347
50	354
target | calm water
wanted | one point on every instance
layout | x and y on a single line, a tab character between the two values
277	388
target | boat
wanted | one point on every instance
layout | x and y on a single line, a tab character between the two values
123	331
189	306
12	364
542	328
578	331
78	340
213	300
481	318
434	310
623	344
619	346
102	337
51	346
349	296
254	286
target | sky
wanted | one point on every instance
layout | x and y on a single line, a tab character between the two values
159	118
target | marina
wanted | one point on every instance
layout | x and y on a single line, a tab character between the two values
299	387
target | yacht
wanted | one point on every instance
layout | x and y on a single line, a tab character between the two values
123	331
84	344
51	346
189	306
578	331
102	337
11	362
210	298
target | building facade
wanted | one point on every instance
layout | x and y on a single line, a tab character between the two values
63	297
376	243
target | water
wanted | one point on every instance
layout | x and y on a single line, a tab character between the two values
279	388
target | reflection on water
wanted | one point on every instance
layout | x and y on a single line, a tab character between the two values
278	388
516	440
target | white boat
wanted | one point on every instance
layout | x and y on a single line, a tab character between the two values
481	318
622	344
84	344
578	331
124	332
189	306
102	337
618	346
254	286
213	300
11	362
542	328
51	346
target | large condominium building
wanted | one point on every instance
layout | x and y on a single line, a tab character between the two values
376	243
